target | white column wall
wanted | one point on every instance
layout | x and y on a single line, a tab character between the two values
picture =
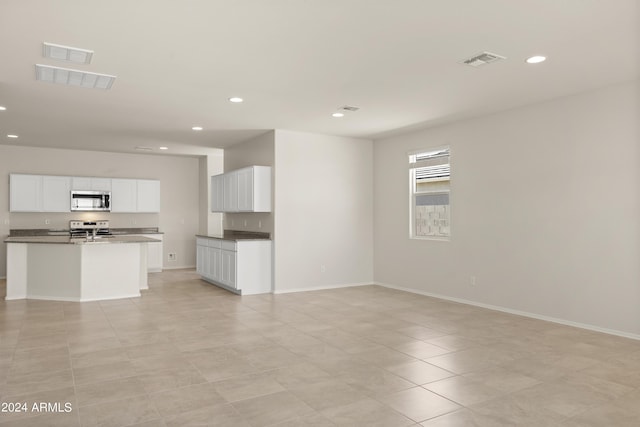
324	201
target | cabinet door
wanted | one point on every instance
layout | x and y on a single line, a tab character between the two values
245	189
86	183
228	268
261	189
101	184
217	193
82	183
148	195
124	195
56	194
231	192
154	257
215	266
25	193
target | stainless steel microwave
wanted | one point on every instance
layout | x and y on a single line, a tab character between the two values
89	201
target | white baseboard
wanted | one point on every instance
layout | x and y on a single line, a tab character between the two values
72	299
321	288
178	267
516	312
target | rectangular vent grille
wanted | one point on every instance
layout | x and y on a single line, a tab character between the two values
483	58
350	108
66	53
68	77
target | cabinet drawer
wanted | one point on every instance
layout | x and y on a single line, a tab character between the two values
214	243
201	241
228	245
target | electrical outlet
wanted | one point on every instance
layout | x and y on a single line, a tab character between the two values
245	222
172	256
6	222
259	224
47	221
472	281
323	269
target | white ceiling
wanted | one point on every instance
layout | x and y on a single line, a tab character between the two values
295	62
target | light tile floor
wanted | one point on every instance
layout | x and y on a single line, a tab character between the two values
188	353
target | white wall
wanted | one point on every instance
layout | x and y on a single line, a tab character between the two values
545	211
213	164
324	201
256	151
179	179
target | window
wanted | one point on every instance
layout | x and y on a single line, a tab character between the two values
429	174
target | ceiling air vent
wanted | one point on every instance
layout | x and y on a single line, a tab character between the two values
349	108
483	58
66	53
65	76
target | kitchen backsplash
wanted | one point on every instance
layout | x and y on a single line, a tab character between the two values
254	221
61	220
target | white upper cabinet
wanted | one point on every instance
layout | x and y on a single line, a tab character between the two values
243	190
56	194
135	195
25	193
90	183
148	197
231	192
44	193
254	189
101	184
124	195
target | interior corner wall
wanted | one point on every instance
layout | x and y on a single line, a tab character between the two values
211	164
324	205
545	204
257	151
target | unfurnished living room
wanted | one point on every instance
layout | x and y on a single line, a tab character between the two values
320	213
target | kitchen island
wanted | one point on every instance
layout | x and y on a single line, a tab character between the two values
76	269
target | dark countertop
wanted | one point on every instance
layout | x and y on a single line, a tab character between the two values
33	232
80	241
142	230
236	235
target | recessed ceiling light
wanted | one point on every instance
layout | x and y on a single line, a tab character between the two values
141	148
12	136
65	76
236	99
66	53
536	59
197	128
338	114
2	108
163	148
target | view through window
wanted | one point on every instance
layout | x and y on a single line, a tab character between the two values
430	173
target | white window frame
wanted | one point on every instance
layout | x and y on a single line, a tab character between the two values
413	193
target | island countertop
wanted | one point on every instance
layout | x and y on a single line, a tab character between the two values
237	235
80	240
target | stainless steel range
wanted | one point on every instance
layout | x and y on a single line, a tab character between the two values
89	228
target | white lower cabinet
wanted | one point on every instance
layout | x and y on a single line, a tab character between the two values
243	267
154	253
